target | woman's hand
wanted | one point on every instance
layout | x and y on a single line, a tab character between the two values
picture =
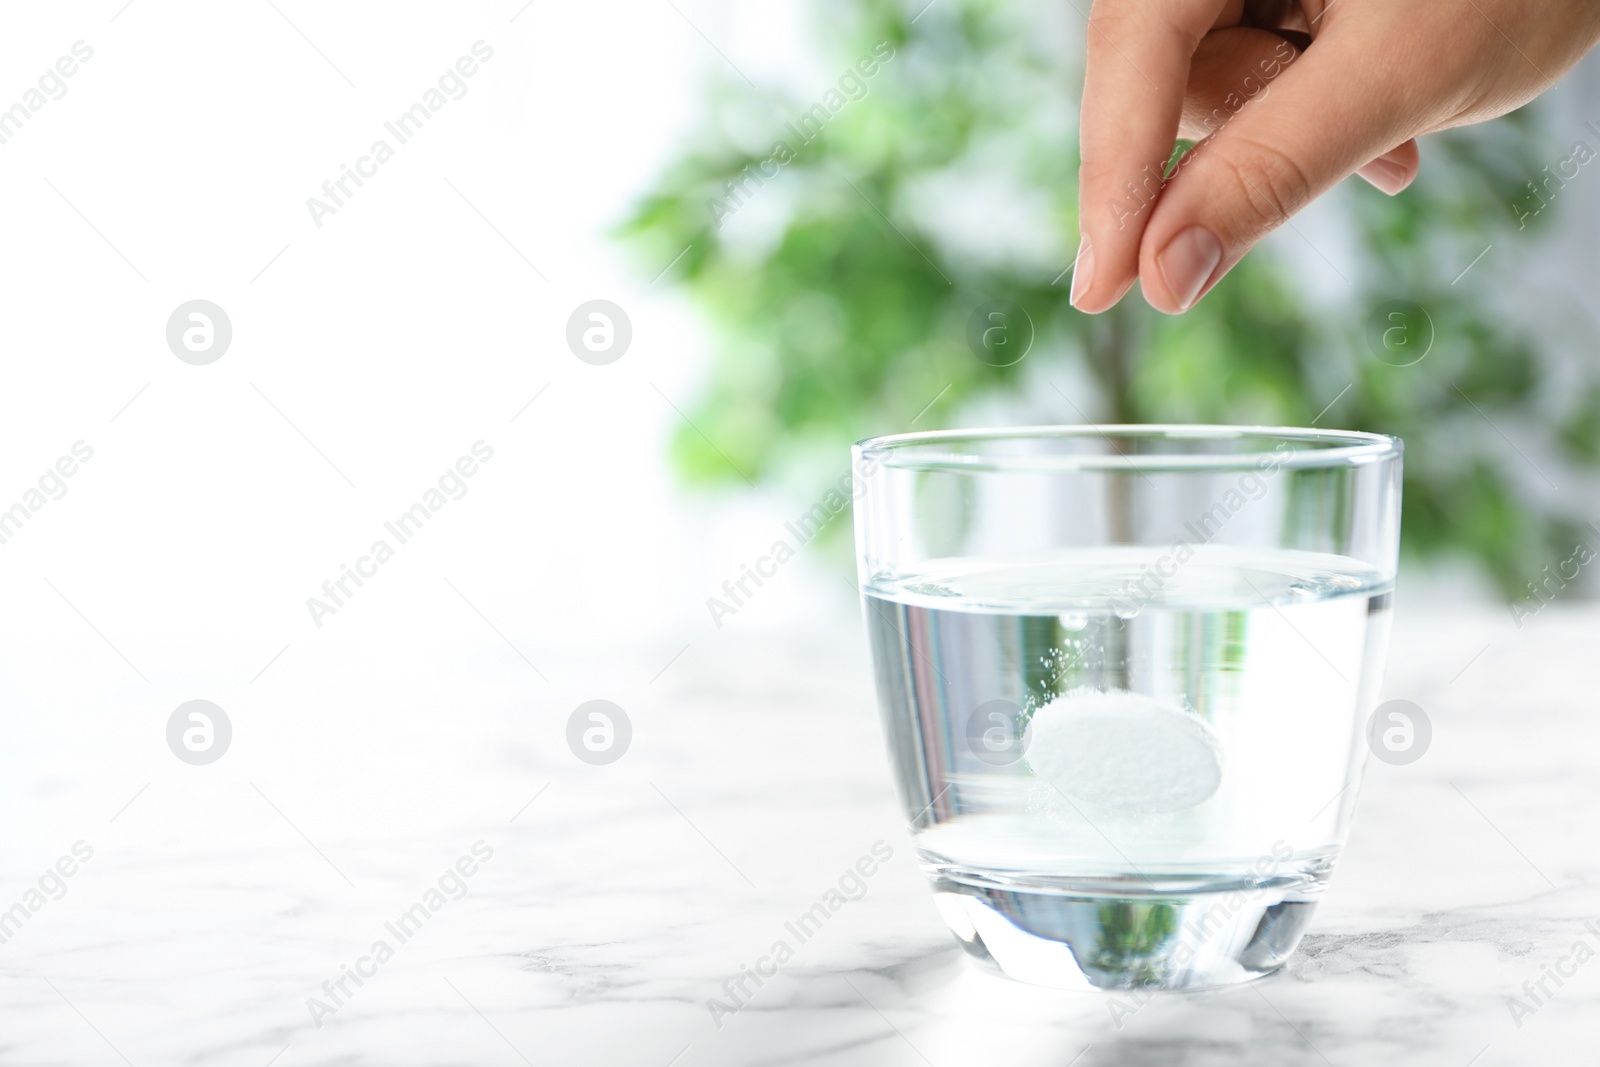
1289	98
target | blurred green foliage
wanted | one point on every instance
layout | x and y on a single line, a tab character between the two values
841	281
1134	941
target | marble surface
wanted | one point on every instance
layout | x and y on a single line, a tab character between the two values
616	901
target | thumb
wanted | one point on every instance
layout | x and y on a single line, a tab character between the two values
1320	120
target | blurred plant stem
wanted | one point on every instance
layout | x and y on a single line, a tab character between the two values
1109	341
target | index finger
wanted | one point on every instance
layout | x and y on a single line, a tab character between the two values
1137	70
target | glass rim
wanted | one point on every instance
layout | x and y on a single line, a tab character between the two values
1330	448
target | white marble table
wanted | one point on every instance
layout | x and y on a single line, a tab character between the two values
219	899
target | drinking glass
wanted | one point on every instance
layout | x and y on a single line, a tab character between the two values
1125	674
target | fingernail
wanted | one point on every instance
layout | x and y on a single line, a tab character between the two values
1082	271
1187	262
1386	175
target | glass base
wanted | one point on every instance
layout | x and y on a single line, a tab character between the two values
1101	941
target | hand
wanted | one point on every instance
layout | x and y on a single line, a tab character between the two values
1289	98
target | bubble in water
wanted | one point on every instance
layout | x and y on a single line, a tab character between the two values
1074	620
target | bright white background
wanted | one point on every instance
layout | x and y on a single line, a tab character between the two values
402	331
367	356
420	318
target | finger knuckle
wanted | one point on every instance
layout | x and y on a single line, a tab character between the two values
1269	182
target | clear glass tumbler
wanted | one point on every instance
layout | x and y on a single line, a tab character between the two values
1125	674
